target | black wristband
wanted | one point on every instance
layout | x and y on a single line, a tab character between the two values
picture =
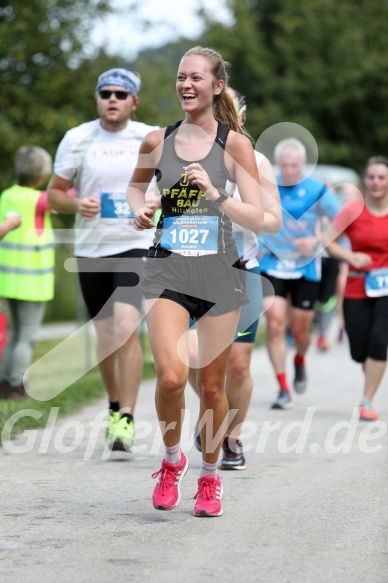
222	198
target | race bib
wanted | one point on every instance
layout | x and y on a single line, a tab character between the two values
376	283
190	235
288	269
114	206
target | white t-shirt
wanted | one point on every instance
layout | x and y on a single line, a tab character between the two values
246	240
101	163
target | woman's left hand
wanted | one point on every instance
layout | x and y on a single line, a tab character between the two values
197	175
143	219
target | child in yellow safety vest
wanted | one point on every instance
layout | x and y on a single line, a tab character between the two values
27	262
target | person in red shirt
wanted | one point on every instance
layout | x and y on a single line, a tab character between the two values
365	222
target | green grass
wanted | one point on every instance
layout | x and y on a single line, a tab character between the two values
84	391
56	364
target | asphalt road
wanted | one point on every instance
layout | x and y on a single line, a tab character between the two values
310	507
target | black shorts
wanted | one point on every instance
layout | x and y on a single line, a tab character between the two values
249	315
366	323
303	293
210	284
100	277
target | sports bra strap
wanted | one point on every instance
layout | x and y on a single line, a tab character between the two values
222	134
171	129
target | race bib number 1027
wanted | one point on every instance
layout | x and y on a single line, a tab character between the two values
190	235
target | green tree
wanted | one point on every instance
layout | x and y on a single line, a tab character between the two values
321	64
47	75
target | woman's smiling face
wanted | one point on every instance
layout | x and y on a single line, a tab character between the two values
195	83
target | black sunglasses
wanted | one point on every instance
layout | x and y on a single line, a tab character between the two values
106	93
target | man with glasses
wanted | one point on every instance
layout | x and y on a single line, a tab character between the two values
98	157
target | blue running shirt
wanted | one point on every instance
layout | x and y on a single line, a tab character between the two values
302	207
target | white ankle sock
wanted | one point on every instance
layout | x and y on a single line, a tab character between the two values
173	454
366	402
208	469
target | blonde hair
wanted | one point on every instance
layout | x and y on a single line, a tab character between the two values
224	109
31	164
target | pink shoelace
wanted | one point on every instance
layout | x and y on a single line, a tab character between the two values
207	490
167	478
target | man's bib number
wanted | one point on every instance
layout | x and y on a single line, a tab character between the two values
190	235
115	206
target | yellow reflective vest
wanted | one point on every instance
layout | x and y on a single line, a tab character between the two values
27	258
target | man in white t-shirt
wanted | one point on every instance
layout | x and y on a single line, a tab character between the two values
98	157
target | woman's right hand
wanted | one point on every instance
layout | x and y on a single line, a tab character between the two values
360	260
143	218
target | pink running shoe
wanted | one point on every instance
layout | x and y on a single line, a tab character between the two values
322	343
367	413
166	492
208	497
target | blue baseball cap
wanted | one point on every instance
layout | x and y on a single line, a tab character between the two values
120	78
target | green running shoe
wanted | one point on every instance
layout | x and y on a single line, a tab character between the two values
111	430
124	436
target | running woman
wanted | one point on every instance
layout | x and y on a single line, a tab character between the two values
193	267
365	305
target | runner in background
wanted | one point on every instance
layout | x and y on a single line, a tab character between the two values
365	223
98	157
239	383
291	261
